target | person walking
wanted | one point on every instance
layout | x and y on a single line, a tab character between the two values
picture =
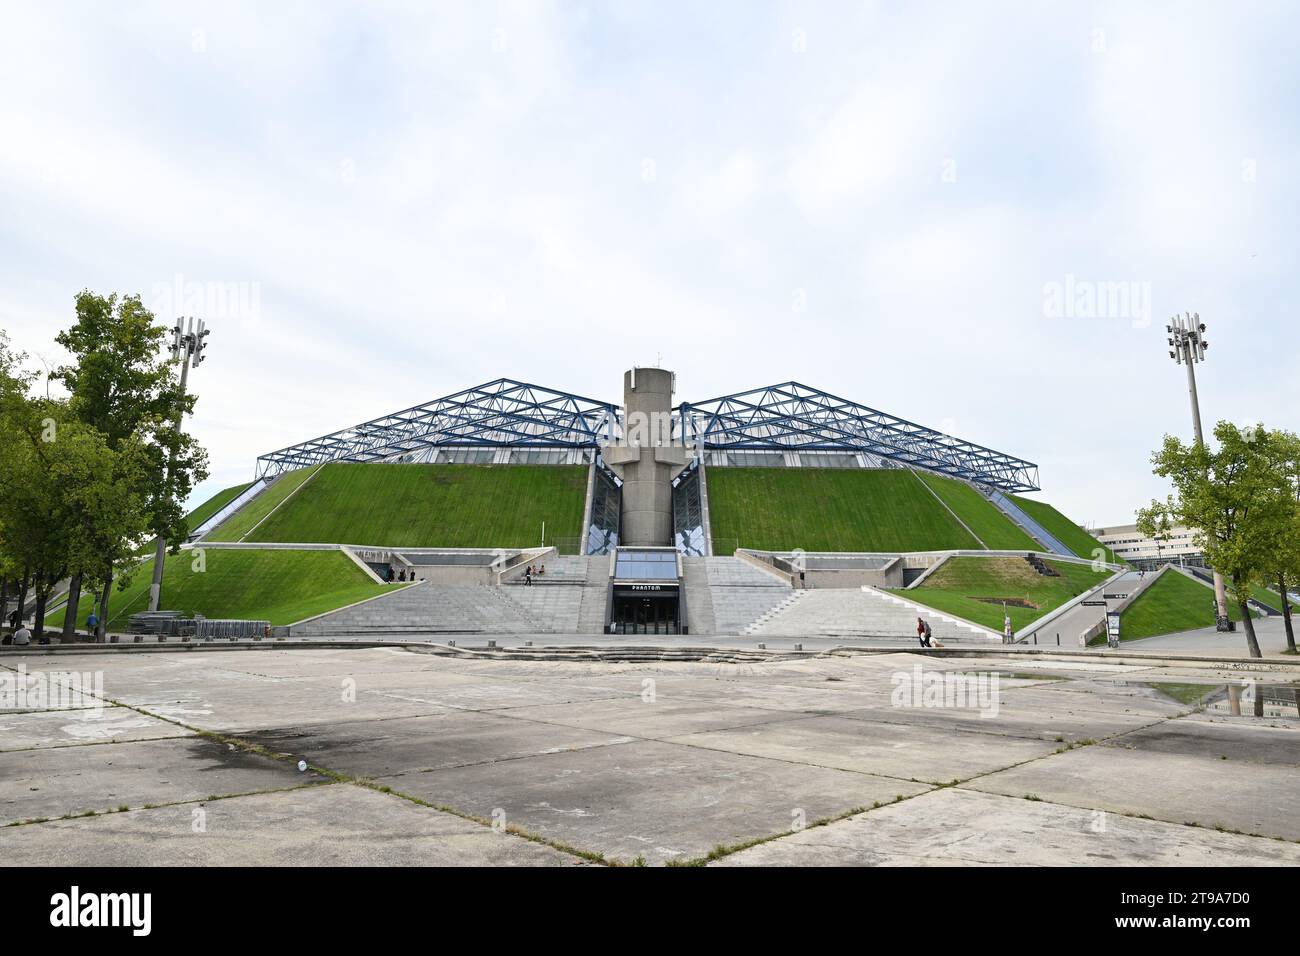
528	576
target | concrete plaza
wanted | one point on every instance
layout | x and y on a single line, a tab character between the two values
190	757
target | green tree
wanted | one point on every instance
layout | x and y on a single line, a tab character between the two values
122	384
31	507
15	383
1236	497
1285	447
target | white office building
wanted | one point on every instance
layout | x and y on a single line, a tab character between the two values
1141	550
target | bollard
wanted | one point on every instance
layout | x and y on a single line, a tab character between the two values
1058	638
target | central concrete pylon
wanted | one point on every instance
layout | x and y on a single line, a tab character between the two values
647	459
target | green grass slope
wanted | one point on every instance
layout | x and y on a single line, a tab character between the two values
1271	598
829	509
957	587
278	586
1065	530
996	530
246	518
1173	603
454	506
214	504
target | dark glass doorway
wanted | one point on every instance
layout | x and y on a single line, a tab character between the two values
641	612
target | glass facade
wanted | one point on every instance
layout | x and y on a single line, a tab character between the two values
645	565
827	459
606	511
541	456
466	456
756	459
688	511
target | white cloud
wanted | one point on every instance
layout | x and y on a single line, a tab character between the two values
428	198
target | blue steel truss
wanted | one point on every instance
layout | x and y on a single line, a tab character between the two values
794	417
499	413
787	417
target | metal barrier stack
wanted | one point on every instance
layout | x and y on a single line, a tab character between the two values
209	630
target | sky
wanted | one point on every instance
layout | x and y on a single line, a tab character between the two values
979	217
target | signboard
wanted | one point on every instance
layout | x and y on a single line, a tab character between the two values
1112	628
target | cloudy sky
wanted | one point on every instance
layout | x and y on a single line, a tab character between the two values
976	216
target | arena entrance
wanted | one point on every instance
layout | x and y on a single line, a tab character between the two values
653	610
646	593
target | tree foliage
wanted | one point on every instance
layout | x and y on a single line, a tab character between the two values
83	478
1238	498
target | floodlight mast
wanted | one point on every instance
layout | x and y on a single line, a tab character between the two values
1187	345
188	344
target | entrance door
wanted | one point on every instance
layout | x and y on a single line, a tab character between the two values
637	613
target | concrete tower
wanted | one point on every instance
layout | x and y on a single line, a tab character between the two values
647	459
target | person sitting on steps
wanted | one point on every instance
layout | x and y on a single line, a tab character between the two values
923	632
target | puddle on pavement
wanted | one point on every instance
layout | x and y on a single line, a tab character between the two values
1245	699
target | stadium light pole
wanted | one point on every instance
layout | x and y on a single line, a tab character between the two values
1187	345
188	337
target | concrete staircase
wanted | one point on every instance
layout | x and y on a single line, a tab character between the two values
699	599
565	600
863	613
426	608
1027	524
595	596
731	591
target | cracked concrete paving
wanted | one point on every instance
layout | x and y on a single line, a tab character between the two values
663	760
956	827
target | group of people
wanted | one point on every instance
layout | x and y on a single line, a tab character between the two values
22	634
533	571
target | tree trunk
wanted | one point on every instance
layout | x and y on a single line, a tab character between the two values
70	615
22	594
102	627
1286	613
4	600
42	596
1239	590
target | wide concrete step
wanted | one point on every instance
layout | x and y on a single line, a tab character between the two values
724	595
866	613
429	607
